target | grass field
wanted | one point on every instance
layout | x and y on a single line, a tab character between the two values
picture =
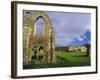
64	59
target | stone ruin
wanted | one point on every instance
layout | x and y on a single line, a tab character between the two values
34	44
77	49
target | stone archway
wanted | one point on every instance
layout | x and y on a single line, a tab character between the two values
33	41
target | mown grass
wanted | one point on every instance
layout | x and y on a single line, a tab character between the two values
64	59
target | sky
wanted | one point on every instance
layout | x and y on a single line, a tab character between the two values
70	28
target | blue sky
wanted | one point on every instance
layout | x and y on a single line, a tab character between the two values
83	39
70	28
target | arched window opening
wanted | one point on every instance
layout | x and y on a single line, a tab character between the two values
27	13
39	29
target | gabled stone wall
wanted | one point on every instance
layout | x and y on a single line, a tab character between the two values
30	38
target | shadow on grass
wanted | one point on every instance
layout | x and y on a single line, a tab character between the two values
80	56
61	59
61	62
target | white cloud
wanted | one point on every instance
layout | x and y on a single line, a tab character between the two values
80	38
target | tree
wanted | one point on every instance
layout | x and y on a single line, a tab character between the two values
88	46
67	48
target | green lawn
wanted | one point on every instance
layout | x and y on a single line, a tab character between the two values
64	59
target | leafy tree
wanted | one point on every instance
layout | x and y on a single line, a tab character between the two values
88	46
